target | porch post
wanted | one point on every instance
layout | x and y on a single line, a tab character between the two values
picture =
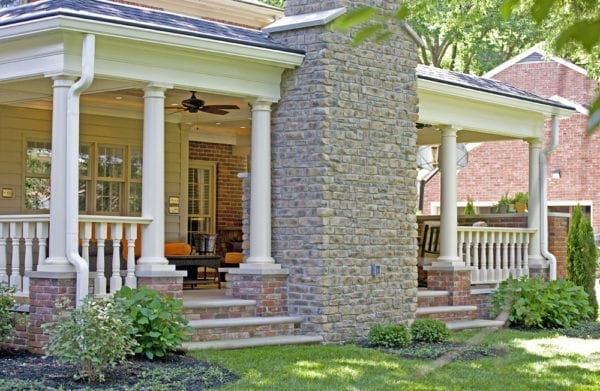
57	260
533	209
260	189
448	258
153	182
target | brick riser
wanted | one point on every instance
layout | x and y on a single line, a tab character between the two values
243	332
431	301
450	316
219	312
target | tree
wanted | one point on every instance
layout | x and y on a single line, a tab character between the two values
582	255
274	3
571	28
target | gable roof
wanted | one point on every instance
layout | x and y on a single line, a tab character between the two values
145	18
482	84
534	54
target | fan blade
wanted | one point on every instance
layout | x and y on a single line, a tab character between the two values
222	107
213	110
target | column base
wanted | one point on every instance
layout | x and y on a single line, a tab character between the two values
260	259
456	282
153	267
260	266
57	264
167	283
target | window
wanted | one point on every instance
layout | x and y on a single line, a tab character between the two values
37	175
110	178
201	198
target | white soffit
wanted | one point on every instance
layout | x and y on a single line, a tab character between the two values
313	19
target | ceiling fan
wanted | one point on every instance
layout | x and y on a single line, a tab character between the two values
194	105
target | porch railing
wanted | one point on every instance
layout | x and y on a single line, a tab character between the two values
494	253
24	245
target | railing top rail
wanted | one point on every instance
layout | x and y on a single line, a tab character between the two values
114	219
495	229
24	218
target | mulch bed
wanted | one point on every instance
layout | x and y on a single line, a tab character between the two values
174	372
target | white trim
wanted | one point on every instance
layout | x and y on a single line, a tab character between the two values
491	98
301	21
579	108
68	23
535	49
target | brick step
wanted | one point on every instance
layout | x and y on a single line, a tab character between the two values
431	298
243	328
474	324
448	313
253	342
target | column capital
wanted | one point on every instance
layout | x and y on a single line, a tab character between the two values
261	103
535	142
449	129
62	77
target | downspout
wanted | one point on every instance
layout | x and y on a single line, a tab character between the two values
72	179
544	202
422	184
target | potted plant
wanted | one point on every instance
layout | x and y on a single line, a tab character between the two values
520	200
503	204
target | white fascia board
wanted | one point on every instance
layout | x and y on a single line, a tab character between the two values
252	53
491	98
301	21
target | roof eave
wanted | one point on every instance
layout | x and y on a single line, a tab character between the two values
441	87
286	59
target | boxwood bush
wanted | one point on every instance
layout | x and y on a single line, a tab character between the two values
535	303
389	336
429	331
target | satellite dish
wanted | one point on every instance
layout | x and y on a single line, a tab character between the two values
428	157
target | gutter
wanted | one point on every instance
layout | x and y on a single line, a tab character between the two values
72	174
544	202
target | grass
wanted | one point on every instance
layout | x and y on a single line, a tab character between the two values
532	361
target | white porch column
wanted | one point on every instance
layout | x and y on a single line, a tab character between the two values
153	182
533	209
260	189
448	258
57	260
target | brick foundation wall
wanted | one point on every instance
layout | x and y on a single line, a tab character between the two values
170	286
44	291
483	301
343	184
558	229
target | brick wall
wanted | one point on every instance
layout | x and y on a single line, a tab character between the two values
229	186
344	147
500	167
558	229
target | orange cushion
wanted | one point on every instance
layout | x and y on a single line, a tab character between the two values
177	249
234	257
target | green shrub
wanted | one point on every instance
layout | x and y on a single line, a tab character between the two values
92	337
389	335
582	256
7	317
158	321
536	303
429	330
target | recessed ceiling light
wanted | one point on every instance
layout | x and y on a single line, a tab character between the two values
217	123
174	104
242	127
118	97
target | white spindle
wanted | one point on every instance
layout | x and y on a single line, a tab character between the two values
15	237
115	278
28	235
519	265
41	232
484	261
85	234
131	236
100	281
3	236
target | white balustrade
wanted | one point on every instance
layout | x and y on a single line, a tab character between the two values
24	244
494	253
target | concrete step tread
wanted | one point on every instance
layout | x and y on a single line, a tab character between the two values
428	293
248	321
445	308
253	342
474	324
217	302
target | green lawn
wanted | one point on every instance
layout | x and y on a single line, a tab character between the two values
533	361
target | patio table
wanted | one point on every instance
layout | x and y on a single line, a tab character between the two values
191	263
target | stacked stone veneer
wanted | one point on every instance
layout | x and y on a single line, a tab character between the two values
343	185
